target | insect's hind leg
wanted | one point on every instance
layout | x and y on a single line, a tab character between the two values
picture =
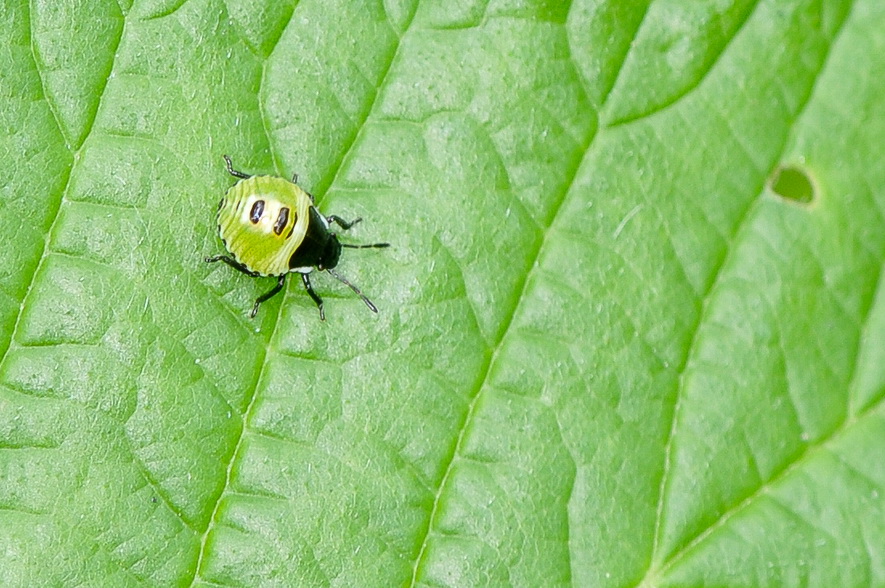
281	281
232	171
334	218
233	263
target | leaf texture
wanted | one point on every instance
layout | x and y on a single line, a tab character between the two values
612	350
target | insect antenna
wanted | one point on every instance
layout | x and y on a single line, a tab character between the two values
375	245
343	280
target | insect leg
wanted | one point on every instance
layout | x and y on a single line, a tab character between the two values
305	278
268	295
233	172
341	222
233	263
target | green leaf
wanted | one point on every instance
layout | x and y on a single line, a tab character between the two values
631	324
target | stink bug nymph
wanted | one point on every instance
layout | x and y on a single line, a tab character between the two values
271	227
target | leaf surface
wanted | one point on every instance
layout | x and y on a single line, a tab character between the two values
631	324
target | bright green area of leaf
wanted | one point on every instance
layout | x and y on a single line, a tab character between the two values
608	354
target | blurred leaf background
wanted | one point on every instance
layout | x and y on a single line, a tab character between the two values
618	345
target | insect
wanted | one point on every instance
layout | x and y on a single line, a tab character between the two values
271	227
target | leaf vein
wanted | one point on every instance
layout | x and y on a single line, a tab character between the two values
264	364
486	369
44	254
676	98
731	247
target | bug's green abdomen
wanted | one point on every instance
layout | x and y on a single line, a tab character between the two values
262	221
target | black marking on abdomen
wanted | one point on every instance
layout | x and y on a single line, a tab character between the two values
256	212
282	219
292	228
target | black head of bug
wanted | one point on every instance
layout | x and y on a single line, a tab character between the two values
331	253
320	247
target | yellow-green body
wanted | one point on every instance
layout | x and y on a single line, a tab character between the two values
263	243
271	227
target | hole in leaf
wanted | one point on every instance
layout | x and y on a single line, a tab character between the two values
793	183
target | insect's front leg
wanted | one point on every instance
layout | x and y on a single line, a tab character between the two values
334	218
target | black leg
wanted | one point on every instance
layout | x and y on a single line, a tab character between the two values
233	263
341	222
233	172
305	278
281	281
